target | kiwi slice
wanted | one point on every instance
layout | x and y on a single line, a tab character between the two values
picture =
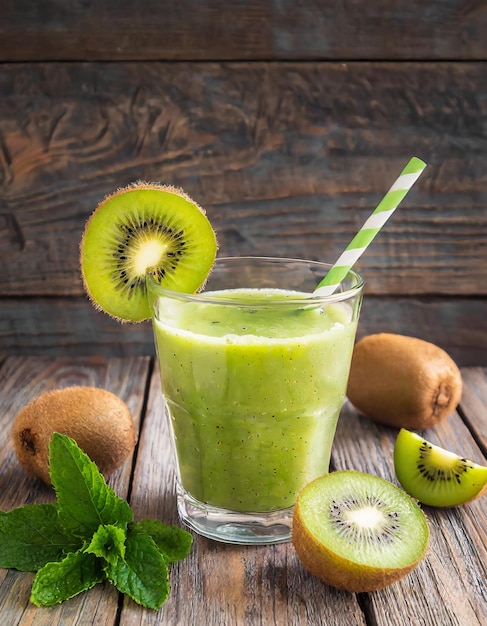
140	229
435	476
358	532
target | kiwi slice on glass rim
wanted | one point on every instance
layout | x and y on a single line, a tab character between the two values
435	476
140	229
358	532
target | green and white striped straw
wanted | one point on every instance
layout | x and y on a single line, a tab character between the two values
372	226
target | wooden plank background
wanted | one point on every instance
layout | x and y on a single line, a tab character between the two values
242	29
219	584
286	121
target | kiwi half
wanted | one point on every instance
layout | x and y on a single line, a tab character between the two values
358	532
145	227
435	476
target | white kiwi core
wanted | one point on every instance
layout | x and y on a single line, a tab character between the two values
367	517
149	253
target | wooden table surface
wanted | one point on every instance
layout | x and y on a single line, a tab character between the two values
224	585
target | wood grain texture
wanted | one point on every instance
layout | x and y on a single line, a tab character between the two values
220	584
22	380
286	120
288	159
242	29
455	568
70	327
473	405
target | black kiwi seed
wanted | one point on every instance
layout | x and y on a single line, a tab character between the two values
433	473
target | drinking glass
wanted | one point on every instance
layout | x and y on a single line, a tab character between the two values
254	371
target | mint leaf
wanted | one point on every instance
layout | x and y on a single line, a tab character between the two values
31	536
84	499
174	542
57	582
108	543
143	574
88	536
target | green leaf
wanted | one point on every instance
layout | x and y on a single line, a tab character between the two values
143	574
174	542
57	582
31	536
88	536
108	543
85	500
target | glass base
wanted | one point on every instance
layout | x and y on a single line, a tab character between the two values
234	526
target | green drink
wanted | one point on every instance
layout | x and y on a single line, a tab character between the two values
253	379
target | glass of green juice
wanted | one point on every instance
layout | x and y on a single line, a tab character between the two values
254	371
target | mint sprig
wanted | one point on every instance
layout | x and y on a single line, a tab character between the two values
31	536
135	574
88	536
85	501
59	581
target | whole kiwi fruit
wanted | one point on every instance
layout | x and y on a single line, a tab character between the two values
403	381
98	420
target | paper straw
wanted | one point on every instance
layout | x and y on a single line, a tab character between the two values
372	226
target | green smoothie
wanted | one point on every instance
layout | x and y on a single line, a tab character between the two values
254	393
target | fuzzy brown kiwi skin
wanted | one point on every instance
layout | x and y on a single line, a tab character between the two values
336	571
99	422
403	381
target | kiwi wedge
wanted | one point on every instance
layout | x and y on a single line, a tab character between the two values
358	532
435	476
140	229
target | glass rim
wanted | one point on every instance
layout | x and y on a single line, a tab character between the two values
203	296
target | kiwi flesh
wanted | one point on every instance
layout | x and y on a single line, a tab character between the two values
435	476
98	420
403	381
358	532
140	229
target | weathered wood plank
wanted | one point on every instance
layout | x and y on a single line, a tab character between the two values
450	591
70	327
288	159
20	381
23	379
455	568
218	583
253	29
474	406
